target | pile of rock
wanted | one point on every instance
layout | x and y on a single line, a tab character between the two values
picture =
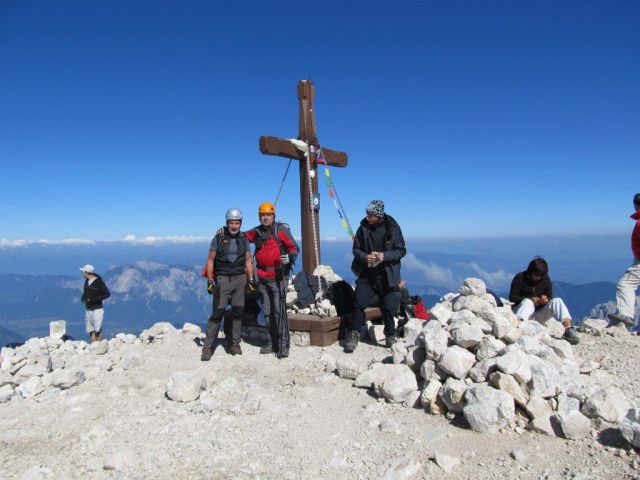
44	367
322	307
477	360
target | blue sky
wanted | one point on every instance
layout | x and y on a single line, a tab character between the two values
468	118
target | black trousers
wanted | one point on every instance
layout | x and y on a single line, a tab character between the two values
388	301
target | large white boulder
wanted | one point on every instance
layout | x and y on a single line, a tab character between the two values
468	336
608	405
473	286
488	409
185	386
396	387
435	340
67	378
452	394
457	361
489	347
515	363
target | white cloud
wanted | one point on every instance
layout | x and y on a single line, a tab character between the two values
152	240
432	272
66	241
499	278
4	243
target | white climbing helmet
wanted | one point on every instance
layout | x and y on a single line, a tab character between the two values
233	214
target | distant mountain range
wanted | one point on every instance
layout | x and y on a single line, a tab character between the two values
146	292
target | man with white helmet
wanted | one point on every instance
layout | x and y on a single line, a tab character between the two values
229	271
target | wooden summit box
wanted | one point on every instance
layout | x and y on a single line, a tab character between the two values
323	331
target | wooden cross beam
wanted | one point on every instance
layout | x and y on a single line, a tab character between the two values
284	148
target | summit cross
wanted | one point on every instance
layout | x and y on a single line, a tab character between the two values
284	148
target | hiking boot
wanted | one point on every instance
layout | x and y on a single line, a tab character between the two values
268	348
284	352
391	341
620	318
206	354
235	349
352	341
571	336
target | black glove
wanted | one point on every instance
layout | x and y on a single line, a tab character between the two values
211	285
251	290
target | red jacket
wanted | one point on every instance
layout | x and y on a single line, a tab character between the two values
635	236
268	255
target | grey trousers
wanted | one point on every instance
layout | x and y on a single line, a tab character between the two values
228	289
275	312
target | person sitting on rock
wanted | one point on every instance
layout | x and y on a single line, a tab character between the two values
630	281
229	271
378	247
532	295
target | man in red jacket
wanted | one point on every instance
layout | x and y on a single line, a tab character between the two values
630	281
275	253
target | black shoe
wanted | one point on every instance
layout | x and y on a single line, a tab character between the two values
571	336
352	341
206	354
268	348
391	341
283	353
620	318
235	349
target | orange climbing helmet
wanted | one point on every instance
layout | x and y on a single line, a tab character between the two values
267	207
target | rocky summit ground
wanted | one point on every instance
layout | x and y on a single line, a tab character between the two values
260	417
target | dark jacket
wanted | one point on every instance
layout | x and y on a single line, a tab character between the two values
394	250
222	264
522	287
95	293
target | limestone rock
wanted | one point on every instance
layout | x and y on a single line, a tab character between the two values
630	427
6	392
67	378
328	363
512	335
31	387
347	368
538	407
515	363
399	352
440	313
489	347
554	328
608	404
412	330
446	462
131	360
430	393
191	328
488	409
395	388
595	324
501	327
416	357
463	316
574	424
470	302
435	341
481	370
457	361
185	386
531	328
99	348
468	336
473	286
452	394
545	380
404	468
508	384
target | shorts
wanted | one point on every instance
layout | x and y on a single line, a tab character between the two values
93	320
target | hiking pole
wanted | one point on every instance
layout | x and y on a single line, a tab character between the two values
283	321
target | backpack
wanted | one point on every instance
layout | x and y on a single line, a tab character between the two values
276	227
219	245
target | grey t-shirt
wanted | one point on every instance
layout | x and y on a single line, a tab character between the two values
233	248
